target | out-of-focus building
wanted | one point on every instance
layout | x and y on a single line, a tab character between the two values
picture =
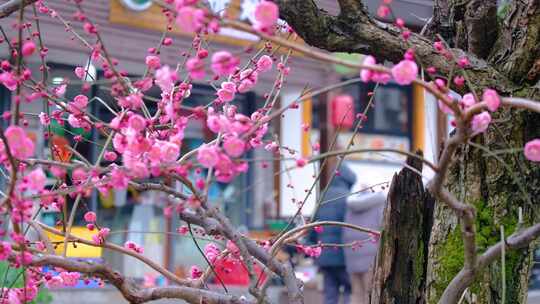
402	118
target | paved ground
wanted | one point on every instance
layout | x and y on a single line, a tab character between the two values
111	296
534	297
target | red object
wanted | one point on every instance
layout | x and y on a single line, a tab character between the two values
234	272
342	110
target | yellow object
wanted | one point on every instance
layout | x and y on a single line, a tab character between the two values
307	113
107	201
76	250
418	117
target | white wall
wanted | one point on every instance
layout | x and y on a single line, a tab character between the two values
300	178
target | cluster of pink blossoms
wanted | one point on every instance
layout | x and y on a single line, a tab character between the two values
134	247
311	251
143	153
233	127
63	279
24	294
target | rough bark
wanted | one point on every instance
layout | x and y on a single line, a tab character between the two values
357	32
509	45
497	186
401	266
517	51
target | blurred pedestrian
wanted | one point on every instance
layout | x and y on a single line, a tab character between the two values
332	260
366	210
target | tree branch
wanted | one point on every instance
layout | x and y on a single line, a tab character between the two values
12	6
284	270
166	273
363	34
131	291
465	277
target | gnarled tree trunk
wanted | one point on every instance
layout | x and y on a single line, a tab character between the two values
401	267
502	43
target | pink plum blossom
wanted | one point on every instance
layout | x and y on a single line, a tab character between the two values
301	162
80	101
5	250
217	123
405	72
181	3
55	282
28	48
8	80
90	217
169	151
224	63
383	11
100	237
227	91
480	122
234	146
266	14
468	100
196	272
368	75
165	78
119	179
248	80
190	19
44	119
211	251
153	62
264	63
195	67
134	247
80	72
532	150
207	155
70	279
36	180
137	122
20	145
110	156
134	101
492	99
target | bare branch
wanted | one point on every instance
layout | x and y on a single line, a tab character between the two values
284	270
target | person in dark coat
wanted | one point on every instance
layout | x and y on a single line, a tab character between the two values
332	260
365	210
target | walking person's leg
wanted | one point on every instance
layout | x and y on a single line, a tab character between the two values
345	282
356	285
366	283
331	285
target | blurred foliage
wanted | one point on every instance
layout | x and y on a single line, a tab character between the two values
11	277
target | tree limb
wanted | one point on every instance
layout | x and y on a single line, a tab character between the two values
363	34
465	277
131	291
284	270
12	6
